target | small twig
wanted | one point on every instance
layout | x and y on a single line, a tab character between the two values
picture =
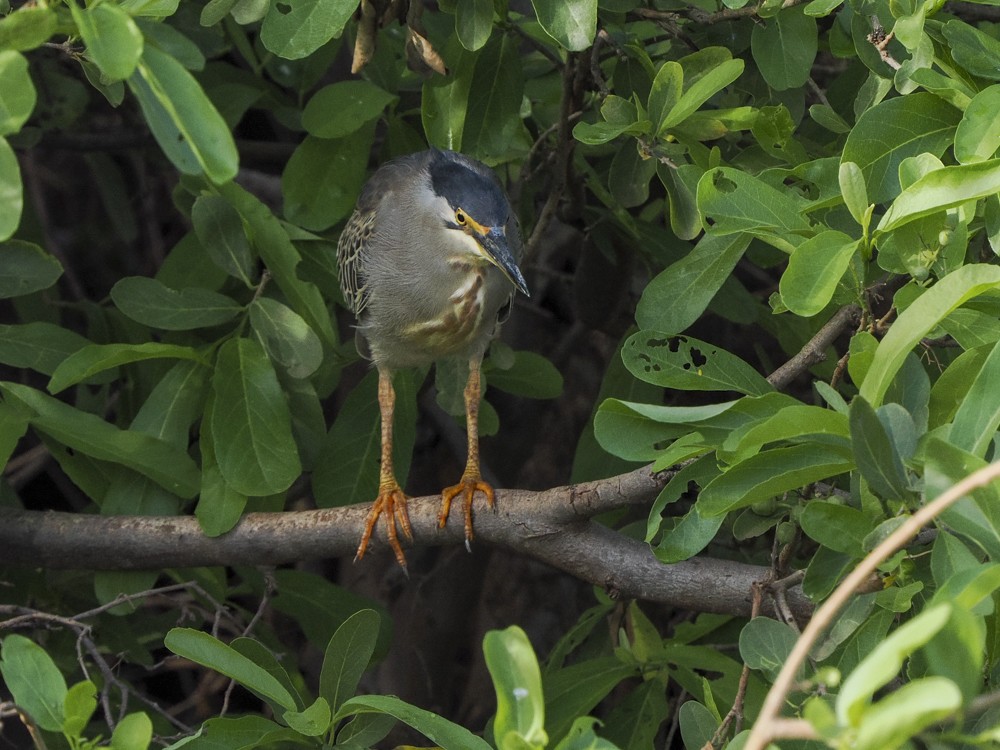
769	726
815	349
880	41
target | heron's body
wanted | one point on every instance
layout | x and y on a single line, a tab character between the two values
428	262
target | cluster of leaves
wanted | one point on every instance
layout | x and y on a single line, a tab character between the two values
779	167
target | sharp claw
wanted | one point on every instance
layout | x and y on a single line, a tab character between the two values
467	488
390	504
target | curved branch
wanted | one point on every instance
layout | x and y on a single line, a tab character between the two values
552	526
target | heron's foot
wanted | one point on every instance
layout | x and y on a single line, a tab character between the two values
391	506
467	488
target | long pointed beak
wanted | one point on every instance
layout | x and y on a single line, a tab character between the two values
495	244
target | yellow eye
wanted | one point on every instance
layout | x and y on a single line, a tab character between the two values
460	217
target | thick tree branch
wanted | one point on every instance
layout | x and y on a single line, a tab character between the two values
553	526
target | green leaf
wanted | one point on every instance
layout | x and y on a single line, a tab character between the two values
978	134
446	735
151	303
35	683
683	538
297	28
788	423
877	458
815	270
347	657
493	118
95	358
11	190
282	259
976	518
784	48
975	51
17	92
765	644
942	189
700	91
444	101
220	231
366	730
697	724
134	732
78	706
38	346
312	721
678	296
26	268
165	464
323	178
219	506
341	108
114	42
183	120
27	27
531	375
665	92
474	23
893	130
210	652
635	722
572	23
883	662
637	432
581	736
920	317
255	450
771	473
852	187
574	691
689	364
287	338
681	185
520	717
906	712
978	415
733	202
838	527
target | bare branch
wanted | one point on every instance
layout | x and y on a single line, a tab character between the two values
553	526
815	349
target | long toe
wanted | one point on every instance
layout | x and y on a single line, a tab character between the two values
467	488
391	505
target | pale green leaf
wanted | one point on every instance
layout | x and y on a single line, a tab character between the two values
572	23
814	271
919	318
893	130
114	41
11	191
517	680
942	189
296	28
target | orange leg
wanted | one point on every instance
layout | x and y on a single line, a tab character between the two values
391	501
472	480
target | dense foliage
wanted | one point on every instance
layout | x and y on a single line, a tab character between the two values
795	202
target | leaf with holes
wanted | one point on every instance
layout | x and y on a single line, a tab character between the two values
689	364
